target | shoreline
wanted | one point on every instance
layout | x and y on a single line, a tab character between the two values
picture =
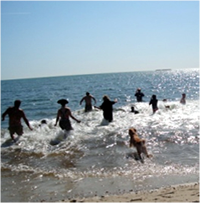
188	192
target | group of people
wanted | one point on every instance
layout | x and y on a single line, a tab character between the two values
64	113
139	95
154	101
15	114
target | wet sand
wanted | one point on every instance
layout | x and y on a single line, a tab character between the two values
176	193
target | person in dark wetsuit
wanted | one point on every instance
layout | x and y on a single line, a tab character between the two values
139	95
63	114
106	106
88	101
154	102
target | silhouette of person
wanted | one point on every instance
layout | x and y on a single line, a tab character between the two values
15	115
133	110
154	102
183	101
139	95
88	101
107	108
63	115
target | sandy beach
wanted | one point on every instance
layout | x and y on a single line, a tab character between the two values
176	193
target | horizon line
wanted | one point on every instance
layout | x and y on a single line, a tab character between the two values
96	73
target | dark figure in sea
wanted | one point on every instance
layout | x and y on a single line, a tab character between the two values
139	95
88	101
43	122
183	101
63	114
154	102
107	108
15	114
133	110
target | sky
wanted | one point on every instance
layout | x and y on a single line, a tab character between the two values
58	38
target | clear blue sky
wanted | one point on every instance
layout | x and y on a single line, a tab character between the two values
53	38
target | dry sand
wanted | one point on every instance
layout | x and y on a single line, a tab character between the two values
176	193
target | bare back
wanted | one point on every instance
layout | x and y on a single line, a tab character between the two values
15	116
64	113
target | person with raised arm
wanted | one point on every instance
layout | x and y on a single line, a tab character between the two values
107	108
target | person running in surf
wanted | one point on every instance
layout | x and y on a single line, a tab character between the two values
15	114
63	115
106	106
154	102
88	101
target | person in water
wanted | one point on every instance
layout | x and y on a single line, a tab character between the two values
154	103
63	115
139	95
183	101
107	108
133	110
166	106
15	115
88	101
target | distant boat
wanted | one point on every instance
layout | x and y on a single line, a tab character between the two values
163	69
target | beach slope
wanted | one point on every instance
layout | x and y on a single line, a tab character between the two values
175	193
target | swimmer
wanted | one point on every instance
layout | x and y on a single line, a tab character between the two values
133	110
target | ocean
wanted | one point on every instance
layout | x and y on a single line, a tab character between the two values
95	158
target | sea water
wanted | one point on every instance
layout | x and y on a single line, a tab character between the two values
95	158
